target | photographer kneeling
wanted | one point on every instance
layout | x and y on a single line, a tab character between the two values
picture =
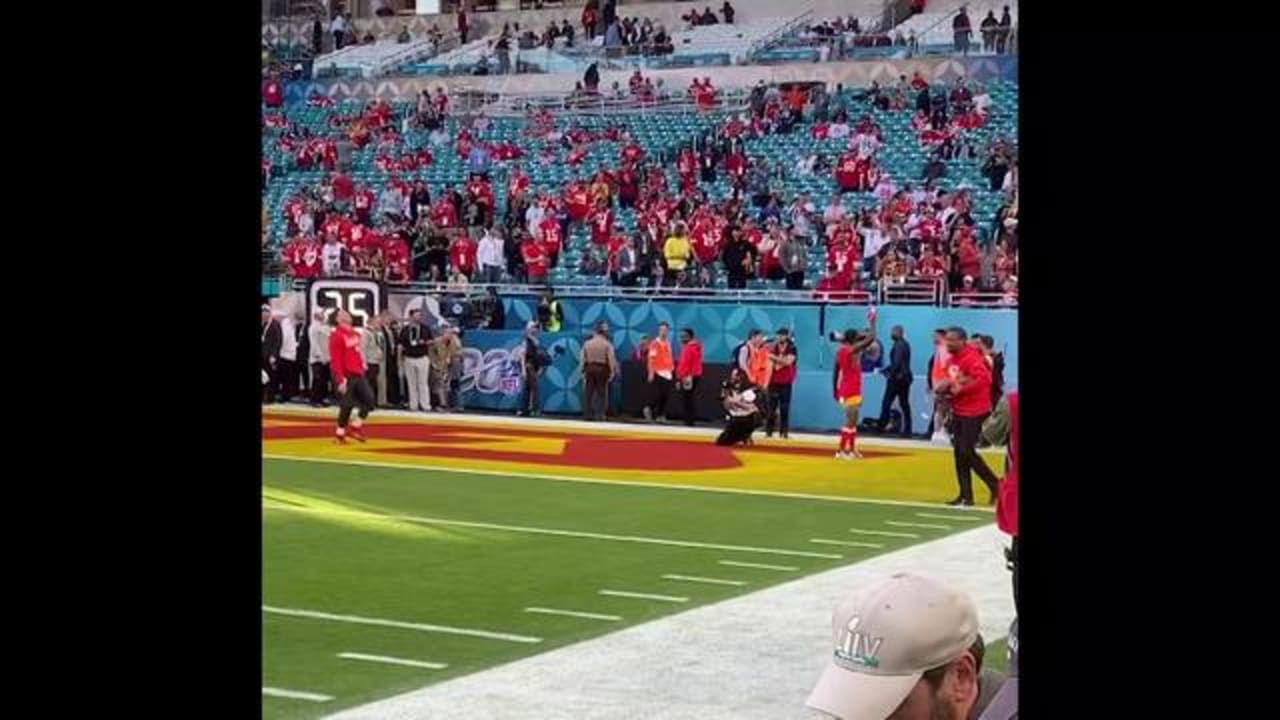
740	398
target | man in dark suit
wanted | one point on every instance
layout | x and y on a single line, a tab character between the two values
272	340
897	382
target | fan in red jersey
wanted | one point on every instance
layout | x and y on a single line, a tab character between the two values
578	199
847	384
396	256
302	255
535	260
632	154
848	172
550	238
602	219
347	366
443	213
273	92
462	254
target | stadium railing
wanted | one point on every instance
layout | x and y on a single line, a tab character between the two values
519	104
918	292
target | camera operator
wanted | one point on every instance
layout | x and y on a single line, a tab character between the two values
739	397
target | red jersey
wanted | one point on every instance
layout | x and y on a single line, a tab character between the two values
970	260
848	171
345	358
444	214
518	185
396	255
933	266
462	254
601	226
849	383
273	94
1007	504
578	199
974	399
632	153
480	192
535	259
783	375
551	241
706	241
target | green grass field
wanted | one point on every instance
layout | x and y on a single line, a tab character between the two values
332	546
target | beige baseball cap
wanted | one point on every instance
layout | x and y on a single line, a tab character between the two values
886	636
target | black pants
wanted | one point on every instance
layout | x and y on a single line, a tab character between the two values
795	280
530	402
271	390
337	40
371	374
737	281
358	394
779	410
288	370
687	395
319	383
659	393
595	396
737	430
964	435
901	391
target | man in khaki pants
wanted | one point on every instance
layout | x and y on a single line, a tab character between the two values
599	368
443	352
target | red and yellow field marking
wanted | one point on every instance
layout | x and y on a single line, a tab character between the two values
622	454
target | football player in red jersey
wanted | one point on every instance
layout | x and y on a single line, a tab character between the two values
601	222
347	364
535	260
847	384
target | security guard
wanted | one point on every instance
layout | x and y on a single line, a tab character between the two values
599	368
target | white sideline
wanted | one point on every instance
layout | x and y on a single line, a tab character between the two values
560	533
421	627
393	660
645	596
934	516
295	694
751	657
885	533
846	543
758	566
573	613
624	483
927	526
707	580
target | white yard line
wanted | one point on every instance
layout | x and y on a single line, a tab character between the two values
420	627
758	566
884	533
644	596
393	660
573	613
698	657
295	694
559	532
598	481
926	526
961	518
707	580
845	543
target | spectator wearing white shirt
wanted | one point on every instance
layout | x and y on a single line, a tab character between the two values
489	257
391	202
533	218
339	29
800	214
838	130
331	258
287	366
885	189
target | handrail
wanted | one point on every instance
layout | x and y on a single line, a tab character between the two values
773	36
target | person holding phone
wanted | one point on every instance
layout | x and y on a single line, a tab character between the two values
847	381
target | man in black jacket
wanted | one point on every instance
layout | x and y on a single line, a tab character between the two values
1006	27
960	26
897	382
272	340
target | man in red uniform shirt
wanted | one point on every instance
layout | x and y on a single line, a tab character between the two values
347	364
601	223
689	373
783	356
848	384
969	384
535	260
273	92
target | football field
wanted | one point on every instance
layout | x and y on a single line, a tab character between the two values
451	544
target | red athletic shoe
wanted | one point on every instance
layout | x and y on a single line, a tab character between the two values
340	439
356	433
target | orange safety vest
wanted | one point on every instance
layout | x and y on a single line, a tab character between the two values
660	356
758	365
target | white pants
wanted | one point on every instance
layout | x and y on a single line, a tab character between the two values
417	375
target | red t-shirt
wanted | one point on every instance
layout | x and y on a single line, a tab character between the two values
396	255
343	187
444	214
273	94
345	358
970	260
690	363
974	399
1007	504
632	153
535	259
783	375
847	171
850	373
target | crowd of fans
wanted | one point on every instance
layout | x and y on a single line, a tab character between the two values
918	229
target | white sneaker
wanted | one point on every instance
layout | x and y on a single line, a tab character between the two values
855	455
842	455
941	438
